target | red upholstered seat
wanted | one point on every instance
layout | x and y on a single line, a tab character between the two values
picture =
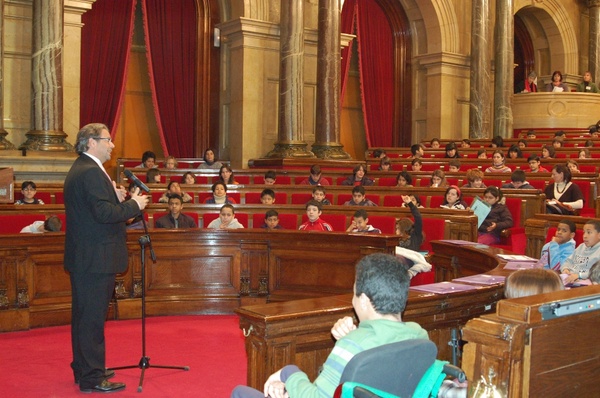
434	229
252	197
423	278
343	198
436	201
387	224
14	223
301	198
538	184
514	238
387	182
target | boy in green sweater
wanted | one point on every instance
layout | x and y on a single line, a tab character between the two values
380	294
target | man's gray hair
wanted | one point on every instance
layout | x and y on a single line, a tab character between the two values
92	130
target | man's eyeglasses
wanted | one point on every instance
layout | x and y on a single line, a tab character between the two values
103	138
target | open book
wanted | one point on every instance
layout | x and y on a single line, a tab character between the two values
481	209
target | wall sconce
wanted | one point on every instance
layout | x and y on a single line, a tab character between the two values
217	37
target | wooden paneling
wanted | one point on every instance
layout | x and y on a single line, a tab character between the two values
196	272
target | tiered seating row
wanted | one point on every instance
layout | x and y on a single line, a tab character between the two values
439	223
384	196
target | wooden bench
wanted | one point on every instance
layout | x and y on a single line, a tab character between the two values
460	224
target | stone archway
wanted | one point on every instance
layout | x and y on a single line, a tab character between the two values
555	45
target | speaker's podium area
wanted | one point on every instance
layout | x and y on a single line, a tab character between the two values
538	346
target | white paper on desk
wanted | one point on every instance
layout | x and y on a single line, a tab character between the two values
516	265
458	242
444	287
482	279
481	209
516	257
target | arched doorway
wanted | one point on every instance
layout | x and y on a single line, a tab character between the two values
371	26
524	56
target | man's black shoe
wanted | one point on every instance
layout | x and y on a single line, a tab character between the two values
104	387
109	374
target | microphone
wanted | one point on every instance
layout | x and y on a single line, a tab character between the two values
131	177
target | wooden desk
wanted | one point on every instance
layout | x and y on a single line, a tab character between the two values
532	357
299	331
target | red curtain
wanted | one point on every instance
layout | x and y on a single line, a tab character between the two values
347	26
105	44
171	38
375	52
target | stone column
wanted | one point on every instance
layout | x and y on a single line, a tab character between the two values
47	79
290	134
594	56
327	135
479	103
4	143
504	79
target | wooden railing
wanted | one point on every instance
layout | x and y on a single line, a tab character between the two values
197	272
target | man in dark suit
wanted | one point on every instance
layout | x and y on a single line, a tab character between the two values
95	251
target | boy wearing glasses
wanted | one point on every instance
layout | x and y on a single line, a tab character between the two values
28	189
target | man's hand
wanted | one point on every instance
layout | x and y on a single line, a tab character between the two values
342	327
142	200
491	227
121	191
274	387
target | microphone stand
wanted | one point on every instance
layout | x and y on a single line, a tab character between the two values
145	360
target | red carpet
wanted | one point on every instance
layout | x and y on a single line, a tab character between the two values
35	363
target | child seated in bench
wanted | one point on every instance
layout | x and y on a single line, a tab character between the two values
28	189
358	198
219	190
271	220
518	180
314	223
226	219
560	247
175	218
578	265
174	189
318	194
267	197
153	176
270	177
453	199
360	223
497	220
